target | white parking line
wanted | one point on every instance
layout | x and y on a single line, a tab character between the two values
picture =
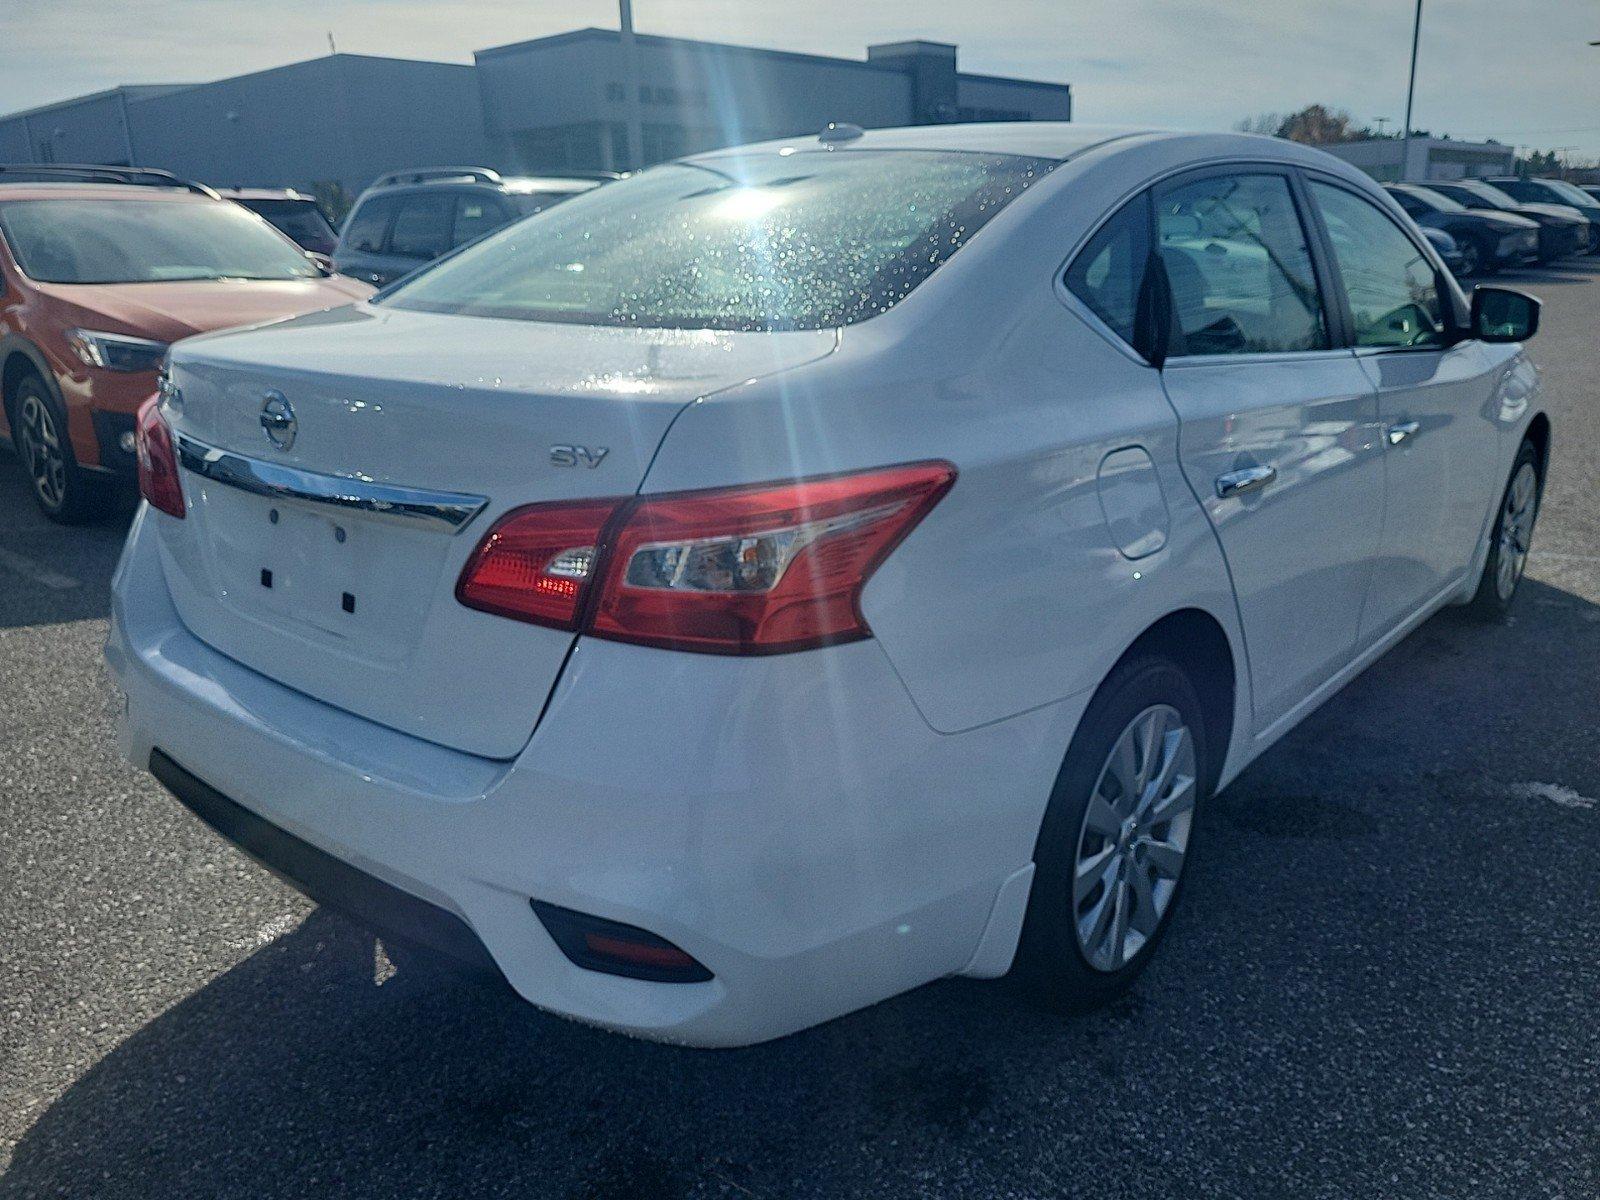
1555	793
37	572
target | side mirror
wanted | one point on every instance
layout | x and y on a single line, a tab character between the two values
1503	315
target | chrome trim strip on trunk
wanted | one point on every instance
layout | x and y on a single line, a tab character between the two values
449	511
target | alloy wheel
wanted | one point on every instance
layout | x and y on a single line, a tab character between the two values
1469	260
1134	837
39	443
1516	529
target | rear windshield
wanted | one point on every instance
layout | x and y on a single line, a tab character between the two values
298	218
753	241
145	241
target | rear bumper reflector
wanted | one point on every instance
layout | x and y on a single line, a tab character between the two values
613	948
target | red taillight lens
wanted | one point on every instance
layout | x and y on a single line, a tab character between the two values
536	563
748	570
158	464
759	570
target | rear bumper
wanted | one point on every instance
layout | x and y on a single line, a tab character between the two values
791	822
324	878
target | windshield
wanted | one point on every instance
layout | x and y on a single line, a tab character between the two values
1491	195
1437	200
750	241
145	241
1573	194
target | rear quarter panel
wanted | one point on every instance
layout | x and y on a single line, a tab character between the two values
1011	594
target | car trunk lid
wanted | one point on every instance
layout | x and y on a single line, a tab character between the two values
328	559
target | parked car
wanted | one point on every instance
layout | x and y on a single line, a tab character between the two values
96	280
292	213
1447	248
711	652
1591	189
409	218
1488	240
1563	231
1557	192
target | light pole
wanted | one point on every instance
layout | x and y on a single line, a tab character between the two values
1411	89
630	71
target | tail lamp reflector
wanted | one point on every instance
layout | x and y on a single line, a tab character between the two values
158	463
748	570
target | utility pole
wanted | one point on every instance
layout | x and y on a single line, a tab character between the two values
630	69
1411	89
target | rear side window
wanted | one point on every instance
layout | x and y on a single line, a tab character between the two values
1391	285
422	226
1108	273
1239	267
369	225
476	216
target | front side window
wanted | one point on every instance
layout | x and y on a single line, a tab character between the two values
1108	273
422	227
809	240
1391	286
146	241
1239	267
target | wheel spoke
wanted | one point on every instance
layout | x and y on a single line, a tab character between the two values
1102	818
1146	917
1165	857
1091	871
1098	920
1179	801
1172	755
1119	924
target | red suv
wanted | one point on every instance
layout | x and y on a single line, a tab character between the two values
96	280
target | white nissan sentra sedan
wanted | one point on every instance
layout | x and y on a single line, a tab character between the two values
799	572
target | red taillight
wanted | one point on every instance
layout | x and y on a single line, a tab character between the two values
747	570
158	464
535	564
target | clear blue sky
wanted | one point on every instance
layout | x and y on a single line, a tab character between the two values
1521	71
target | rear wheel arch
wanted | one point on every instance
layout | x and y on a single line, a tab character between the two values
1196	642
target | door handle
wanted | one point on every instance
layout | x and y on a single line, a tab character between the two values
1399	433
1250	479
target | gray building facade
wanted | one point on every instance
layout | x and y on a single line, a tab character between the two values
550	104
1428	158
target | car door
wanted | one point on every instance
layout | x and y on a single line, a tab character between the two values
1279	435
1434	399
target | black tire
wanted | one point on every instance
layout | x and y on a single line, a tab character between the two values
1492	601
1051	964
64	491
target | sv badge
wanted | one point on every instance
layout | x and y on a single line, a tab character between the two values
578	456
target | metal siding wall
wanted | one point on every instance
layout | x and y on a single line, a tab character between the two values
88	131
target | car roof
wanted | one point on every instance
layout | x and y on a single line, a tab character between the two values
99	191
1060	141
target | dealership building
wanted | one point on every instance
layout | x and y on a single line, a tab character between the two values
552	104
1426	158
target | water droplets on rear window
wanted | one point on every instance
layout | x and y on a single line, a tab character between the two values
749	241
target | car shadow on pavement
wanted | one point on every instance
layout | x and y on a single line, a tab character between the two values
1346	951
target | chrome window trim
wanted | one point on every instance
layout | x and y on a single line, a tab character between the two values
415	507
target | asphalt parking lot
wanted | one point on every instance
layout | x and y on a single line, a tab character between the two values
1384	981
